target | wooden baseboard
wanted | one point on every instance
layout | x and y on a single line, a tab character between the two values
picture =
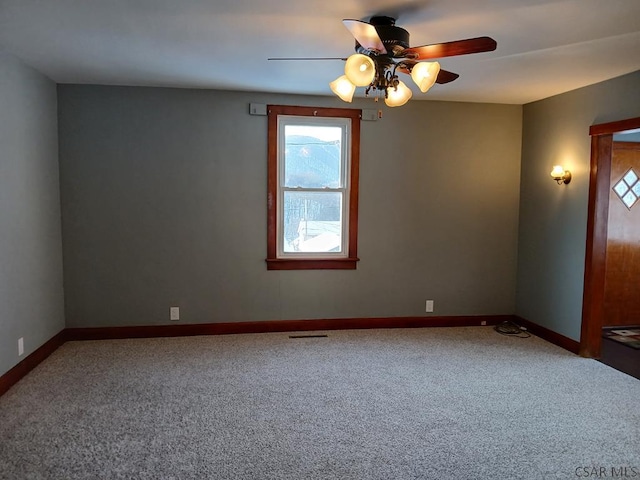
549	335
150	331
30	362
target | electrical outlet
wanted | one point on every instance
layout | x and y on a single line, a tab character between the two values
174	313
483	322
21	346
429	306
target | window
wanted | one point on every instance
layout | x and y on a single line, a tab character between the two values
312	205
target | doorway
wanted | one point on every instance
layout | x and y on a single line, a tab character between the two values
621	310
613	245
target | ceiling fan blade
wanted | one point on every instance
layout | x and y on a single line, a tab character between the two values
445	76
365	34
450	49
307	58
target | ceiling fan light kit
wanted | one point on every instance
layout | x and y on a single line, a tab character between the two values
361	71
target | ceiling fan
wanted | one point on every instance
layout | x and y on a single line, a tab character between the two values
382	50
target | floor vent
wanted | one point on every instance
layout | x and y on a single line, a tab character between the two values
308	336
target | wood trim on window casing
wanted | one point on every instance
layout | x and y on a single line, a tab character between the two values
273	262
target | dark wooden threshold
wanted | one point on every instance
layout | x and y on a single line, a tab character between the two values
621	357
549	335
149	331
30	362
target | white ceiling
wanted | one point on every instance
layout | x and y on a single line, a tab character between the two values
545	47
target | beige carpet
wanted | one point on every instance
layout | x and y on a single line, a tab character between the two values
459	403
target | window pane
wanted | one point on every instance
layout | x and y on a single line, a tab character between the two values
312	156
630	177
312	222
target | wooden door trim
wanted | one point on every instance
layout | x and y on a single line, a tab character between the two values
596	245
622	126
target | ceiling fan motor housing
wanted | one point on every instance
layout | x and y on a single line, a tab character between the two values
394	39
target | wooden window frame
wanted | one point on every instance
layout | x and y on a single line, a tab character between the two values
274	262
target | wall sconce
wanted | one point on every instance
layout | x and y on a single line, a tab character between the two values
560	175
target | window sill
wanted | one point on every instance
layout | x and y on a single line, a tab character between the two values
312	264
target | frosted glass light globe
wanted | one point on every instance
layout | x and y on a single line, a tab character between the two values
343	88
360	70
425	74
397	98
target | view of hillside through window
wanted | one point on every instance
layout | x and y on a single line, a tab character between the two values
313	189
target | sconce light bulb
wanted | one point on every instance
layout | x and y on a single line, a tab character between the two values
560	175
557	171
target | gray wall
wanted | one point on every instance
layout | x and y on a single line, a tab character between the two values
31	297
553	219
164	203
